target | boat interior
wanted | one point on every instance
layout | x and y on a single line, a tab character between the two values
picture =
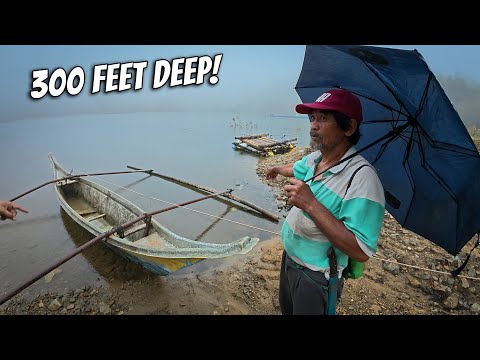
100	210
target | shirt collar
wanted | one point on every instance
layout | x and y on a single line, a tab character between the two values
337	168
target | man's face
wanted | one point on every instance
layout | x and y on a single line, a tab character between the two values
325	134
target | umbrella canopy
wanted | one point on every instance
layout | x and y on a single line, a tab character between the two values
427	162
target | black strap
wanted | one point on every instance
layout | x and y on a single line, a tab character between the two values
120	231
461	267
353	175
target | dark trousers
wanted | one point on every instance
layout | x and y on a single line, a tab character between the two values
303	291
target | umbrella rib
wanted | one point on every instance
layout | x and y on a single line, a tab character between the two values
383	148
392	134
434	174
406	158
409	147
446	146
429	169
439	144
408	171
381	121
424	95
454	148
407	139
388	107
392	120
374	72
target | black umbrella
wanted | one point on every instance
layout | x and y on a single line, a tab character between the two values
411	133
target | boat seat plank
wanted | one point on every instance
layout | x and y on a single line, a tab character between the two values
86	212
62	182
96	217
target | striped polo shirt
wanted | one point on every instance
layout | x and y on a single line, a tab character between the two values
361	210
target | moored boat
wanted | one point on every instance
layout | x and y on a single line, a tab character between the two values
148	243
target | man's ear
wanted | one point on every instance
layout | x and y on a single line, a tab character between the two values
353	127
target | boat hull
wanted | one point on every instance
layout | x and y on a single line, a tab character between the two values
156	248
157	265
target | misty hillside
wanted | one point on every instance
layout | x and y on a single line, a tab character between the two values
465	97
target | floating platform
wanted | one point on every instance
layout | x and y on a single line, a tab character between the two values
262	145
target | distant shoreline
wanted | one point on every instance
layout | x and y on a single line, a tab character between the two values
281	115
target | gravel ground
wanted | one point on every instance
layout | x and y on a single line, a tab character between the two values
408	276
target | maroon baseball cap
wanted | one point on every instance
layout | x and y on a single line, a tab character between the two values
339	100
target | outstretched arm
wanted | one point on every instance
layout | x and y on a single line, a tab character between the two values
285	170
8	210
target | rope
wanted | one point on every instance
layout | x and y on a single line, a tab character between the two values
186	208
425	269
279	234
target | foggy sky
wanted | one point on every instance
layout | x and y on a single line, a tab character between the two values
252	78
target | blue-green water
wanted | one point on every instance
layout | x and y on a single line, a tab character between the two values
195	147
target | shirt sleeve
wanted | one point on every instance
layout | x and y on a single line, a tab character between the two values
300	168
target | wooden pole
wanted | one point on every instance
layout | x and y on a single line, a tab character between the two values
96	239
70	177
250	136
210	190
277	143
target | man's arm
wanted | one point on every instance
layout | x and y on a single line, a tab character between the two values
285	170
300	195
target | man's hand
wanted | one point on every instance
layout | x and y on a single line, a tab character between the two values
299	194
272	173
8	210
285	170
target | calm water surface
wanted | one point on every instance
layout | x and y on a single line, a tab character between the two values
195	147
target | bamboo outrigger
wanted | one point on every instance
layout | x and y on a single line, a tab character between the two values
264	212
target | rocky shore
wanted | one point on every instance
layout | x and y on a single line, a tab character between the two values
408	276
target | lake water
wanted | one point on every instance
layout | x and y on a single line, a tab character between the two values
195	147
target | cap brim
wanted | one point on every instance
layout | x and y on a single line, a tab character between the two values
309	107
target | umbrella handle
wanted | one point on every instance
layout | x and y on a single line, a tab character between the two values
332	296
332	282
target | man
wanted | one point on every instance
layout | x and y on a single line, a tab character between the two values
8	210
327	211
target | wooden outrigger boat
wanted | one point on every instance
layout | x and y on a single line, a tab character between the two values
148	243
